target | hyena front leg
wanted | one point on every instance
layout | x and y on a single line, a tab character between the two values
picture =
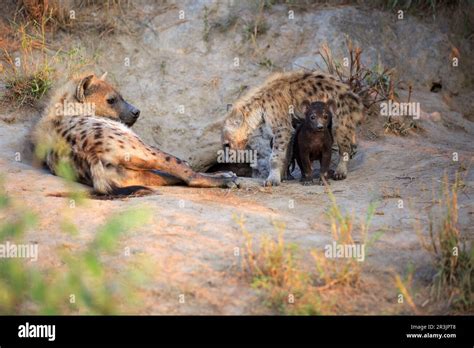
344	138
278	158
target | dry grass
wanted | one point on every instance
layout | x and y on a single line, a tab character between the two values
374	84
8	40
400	125
28	60
288	283
388	193
452	258
70	16
56	11
272	266
405	289
27	72
252	28
347	270
256	26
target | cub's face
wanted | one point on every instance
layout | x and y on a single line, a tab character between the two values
107	101
318	115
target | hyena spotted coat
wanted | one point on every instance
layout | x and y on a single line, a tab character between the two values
100	149
278	103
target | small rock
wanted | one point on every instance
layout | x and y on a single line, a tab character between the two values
435	116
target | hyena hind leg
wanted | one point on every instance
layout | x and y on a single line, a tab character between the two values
157	160
159	178
139	183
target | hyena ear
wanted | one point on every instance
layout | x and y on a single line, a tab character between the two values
305	106
82	86
104	75
331	106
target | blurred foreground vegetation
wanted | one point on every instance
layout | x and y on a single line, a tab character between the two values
83	284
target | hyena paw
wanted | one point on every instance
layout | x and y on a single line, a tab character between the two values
274	179
231	182
247	183
222	174
339	175
228	174
224	179
308	182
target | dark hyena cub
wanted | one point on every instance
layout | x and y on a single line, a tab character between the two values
313	141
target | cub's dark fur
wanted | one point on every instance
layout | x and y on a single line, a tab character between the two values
313	141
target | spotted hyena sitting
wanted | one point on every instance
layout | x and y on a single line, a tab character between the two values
85	128
278	103
313	141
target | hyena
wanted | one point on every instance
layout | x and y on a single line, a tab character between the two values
85	127
313	141
277	104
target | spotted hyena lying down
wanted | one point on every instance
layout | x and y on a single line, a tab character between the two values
85	128
277	105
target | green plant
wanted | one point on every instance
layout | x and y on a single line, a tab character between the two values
206	30
26	90
254	28
163	67
84	284
223	25
75	60
267	63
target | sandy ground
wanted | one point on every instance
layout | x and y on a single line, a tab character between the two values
189	244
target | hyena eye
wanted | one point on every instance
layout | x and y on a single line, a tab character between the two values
313	117
111	100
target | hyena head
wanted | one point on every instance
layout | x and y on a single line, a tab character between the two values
235	133
108	102
318	115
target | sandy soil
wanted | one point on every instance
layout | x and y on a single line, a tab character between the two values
189	245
